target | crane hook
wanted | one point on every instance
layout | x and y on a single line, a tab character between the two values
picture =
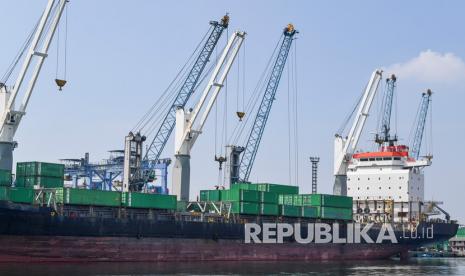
60	83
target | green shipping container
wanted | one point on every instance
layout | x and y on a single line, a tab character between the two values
244	195
331	201
203	195
210	195
307	200
269	209
153	201
297	200
5	178
335	213
39	169
224	195
269	197
92	197
247	208
290	211
214	195
22	195
285	199
244	186
277	188
4	193
309	212
42	181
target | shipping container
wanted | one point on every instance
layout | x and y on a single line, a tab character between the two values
5	178
39	169
244	186
203	195
152	201
277	188
92	197
290	211
335	213
246	208
210	195
297	200
42	181
4	193
269	209
309	212
22	195
269	197
244	195
285	199
224	195
331	201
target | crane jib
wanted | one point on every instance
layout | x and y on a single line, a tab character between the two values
161	138
258	127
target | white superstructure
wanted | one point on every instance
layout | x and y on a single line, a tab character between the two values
386	185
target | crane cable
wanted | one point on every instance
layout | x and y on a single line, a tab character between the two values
350	115
65	47
296	115
170	92
5	77
251	105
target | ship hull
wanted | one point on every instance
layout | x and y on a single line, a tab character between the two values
32	234
123	249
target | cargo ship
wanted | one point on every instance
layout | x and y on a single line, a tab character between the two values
78	225
44	220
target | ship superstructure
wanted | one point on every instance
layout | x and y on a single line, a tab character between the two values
388	185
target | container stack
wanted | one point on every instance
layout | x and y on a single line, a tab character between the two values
283	200
251	198
116	199
39	174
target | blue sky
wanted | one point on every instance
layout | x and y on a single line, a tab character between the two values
123	54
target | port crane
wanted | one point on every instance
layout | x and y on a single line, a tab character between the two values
240	171
344	147
420	126
384	135
11	116
138	167
187	132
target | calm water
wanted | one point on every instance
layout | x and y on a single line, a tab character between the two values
425	266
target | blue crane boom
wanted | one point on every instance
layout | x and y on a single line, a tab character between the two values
418	137
256	133
384	133
161	138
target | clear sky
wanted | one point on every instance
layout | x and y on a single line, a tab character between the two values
123	54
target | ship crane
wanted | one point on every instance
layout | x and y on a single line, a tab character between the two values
187	132
240	171
418	136
38	50
137	172
344	147
384	135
